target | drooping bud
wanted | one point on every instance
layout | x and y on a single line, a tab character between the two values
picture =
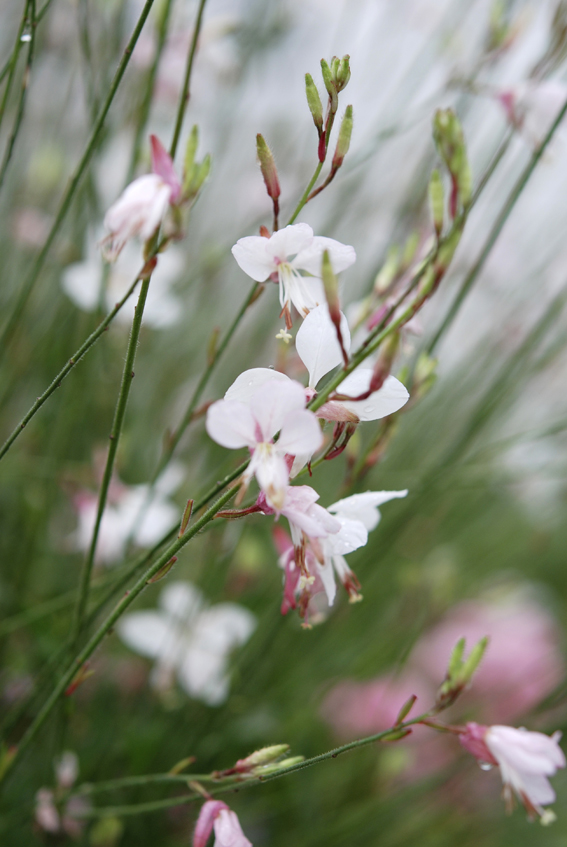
314	103
460	671
437	201
343	141
268	168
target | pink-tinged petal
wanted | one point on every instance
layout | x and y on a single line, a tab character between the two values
273	402
272	474
228	832
334	410
527	752
364	507
205	821
231	424
289	241
254	257
342	256
387	400
316	522
247	384
282	541
351	536
473	740
139	210
300	434
162	165
317	344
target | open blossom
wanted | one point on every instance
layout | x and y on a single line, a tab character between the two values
284	256
526	760
217	815
276	407
188	639
54	813
141	208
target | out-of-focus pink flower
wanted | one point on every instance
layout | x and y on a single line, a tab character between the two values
217	815
525	760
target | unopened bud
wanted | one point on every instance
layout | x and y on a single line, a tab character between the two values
190	153
406	709
450	143
342	73
396	734
410	249
265	756
384	362
329	84
460	672
331	286
163	571
388	271
314	103
278	766
268	168
343	141
212	345
437	201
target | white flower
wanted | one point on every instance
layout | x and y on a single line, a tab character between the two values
129	515
275	406
318	348
188	639
526	760
228	832
284	255
84	284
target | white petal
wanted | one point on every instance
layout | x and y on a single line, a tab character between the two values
327	574
203	675
305	292
245	386
254	257
272	404
147	633
228	832
81	282
300	434
231	424
342	256
224	626
290	240
529	752
351	536
317	344
364	507
272	474
181	600
387	400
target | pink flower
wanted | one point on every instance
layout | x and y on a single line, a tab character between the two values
526	760
284	255
216	815
275	407
141	208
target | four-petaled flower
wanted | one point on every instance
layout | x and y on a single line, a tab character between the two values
217	815
526	760
141	208
189	639
278	406
284	255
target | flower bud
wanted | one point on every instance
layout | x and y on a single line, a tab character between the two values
343	141
388	271
329	85
268	168
384	362
190	153
450	143
342	73
265	756
437	201
278	766
459	671
331	285
314	103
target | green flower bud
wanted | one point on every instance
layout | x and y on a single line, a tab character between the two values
314	102
343	141
265	756
278	766
388	271
342	74
331	286
190	153
268	168
437	201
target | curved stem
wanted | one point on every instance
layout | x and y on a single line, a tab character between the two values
185	91
65	204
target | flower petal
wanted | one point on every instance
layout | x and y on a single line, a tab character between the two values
317	344
228	832
387	400
290	240
300	434
272	404
231	424
364	507
245	386
352	535
162	164
181	600
310	259
146	633
204	825
254	257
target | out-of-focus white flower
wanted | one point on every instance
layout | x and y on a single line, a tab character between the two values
228	832
142	206
190	640
67	769
129	515
278	406
526	760
284	255
83	283
54	813
533	107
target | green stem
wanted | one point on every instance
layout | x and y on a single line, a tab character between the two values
33	276
127	377
185	91
108	624
75	358
23	92
13	61
146	779
306	193
497	227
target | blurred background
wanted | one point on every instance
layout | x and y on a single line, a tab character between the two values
477	547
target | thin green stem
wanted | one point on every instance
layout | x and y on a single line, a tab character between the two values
125	385
495	231
75	358
186	90
13	60
306	193
146	779
108	624
65	204
149	90
23	93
